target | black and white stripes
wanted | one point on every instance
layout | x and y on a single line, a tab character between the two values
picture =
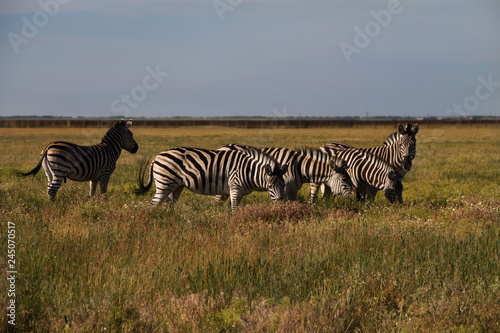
399	148
306	165
235	170
213	172
368	171
396	154
62	160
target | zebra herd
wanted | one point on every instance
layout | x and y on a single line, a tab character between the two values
235	170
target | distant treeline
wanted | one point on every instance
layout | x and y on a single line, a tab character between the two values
241	122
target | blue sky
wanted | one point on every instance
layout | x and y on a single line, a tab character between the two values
205	58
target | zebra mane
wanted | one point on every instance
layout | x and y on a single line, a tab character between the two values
322	156
313	153
229	145
394	168
260	156
113	129
391	139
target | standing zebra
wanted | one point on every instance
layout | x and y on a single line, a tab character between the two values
305	166
96	163
399	149
213	172
368	171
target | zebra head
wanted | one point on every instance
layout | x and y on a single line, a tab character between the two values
393	189
121	135
274	180
340	182
407	145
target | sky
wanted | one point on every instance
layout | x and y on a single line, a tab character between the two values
274	58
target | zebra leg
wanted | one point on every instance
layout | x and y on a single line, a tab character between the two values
54	180
371	193
235	195
160	196
104	181
361	193
327	192
163	192
93	186
48	170
313	190
174	196
54	186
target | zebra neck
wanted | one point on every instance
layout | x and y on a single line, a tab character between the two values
259	178
388	153
110	147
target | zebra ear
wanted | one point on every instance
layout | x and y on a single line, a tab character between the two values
401	129
414	129
268	169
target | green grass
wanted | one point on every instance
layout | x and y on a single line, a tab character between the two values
111	263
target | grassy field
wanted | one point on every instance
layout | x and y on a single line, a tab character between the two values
111	264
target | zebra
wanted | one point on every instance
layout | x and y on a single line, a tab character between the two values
399	149
62	160
368	171
212	172
305	165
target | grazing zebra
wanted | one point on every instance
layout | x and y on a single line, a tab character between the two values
398	149
305	166
213	172
368	171
96	163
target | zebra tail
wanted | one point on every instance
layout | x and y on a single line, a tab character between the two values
143	189
37	168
